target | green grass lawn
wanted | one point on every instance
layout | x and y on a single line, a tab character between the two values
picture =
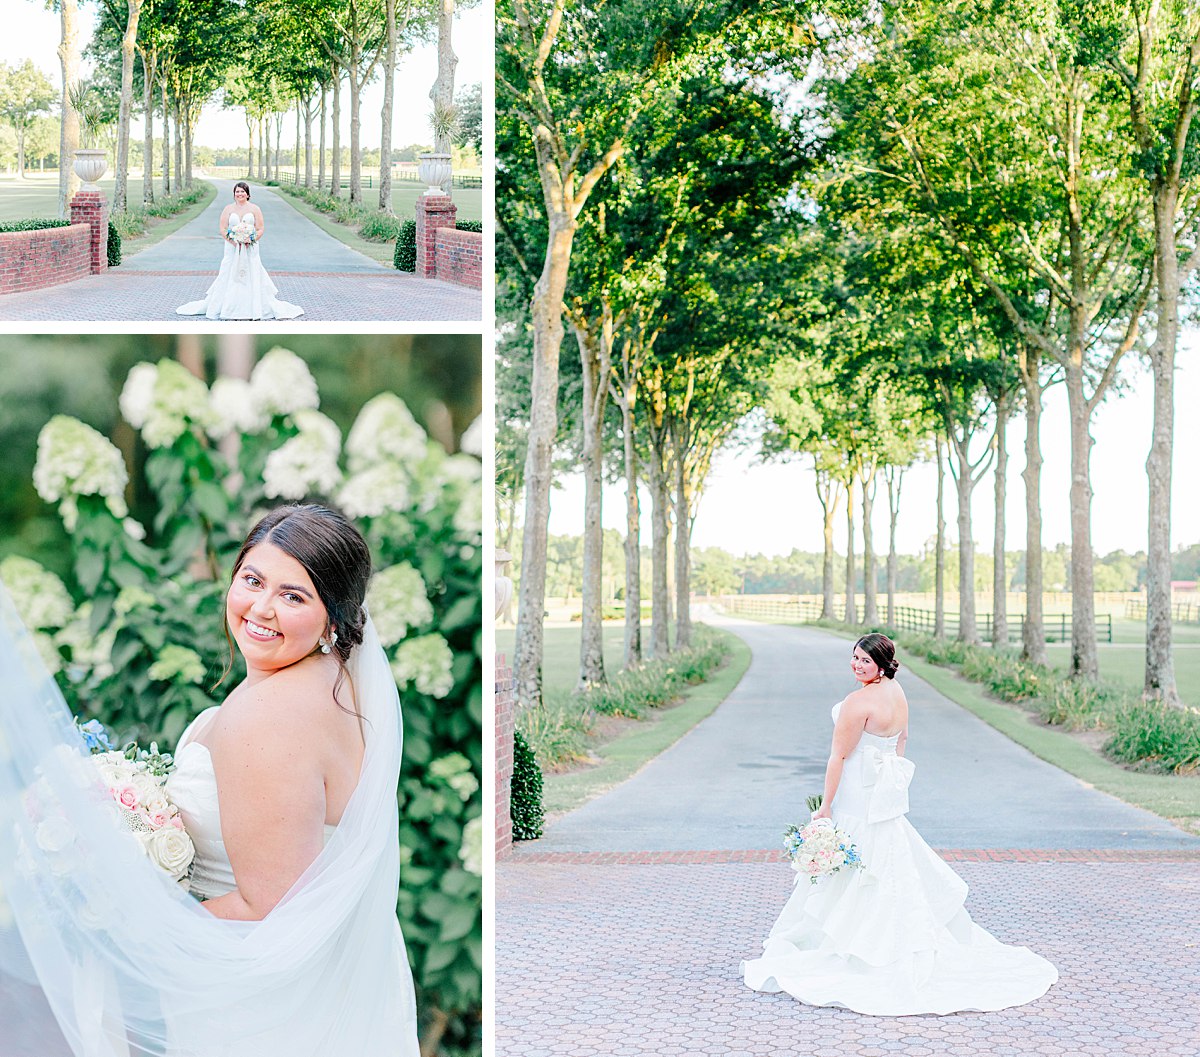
37	195
631	743
1125	664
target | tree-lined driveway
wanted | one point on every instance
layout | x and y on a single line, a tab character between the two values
311	268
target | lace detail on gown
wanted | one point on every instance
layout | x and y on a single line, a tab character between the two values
192	787
894	938
242	288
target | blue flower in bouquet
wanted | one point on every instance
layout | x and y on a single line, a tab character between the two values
95	737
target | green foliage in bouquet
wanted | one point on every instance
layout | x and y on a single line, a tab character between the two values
114	245
137	640
525	802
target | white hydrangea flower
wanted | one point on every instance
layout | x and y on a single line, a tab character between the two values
455	770
177	664
40	597
374	491
73	460
134	529
385	430
471	851
138	394
234	409
301	466
48	652
163	401
471	441
131	598
309	421
425	663
398	600
282	384
468	518
89	653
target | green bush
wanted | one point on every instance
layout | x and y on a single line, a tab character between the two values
380	227
556	731
528	815
1155	737
114	245
470	225
405	257
35	224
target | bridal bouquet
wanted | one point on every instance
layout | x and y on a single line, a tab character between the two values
243	232
136	780
819	848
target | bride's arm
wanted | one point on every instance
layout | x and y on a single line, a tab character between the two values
271	789
847	731
259	224
223	223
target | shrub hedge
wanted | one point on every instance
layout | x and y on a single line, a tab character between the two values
114	245
405	257
528	815
34	224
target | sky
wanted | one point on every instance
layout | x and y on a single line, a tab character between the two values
33	32
753	508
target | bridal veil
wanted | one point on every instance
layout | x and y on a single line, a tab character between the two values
101	955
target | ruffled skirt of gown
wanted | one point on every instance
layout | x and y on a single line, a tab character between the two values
894	938
241	290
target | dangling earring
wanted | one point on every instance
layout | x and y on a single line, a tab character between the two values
325	647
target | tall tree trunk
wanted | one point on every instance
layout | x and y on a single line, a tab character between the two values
149	67
660	523
177	110
278	137
851	604
68	139
964	484
828	495
335	148
389	92
125	112
308	142
354	83
870	594
442	93
1159	680
1033	635
939	551
895	479
595	352
166	141
999	572
633	548
546	312
250	147
299	132
189	128
1085	661
321	144
683	539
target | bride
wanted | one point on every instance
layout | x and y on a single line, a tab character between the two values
288	945
242	289
892	938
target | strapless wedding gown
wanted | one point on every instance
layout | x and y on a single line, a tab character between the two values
242	289
192	787
894	938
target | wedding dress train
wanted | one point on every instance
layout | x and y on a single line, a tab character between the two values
892	938
242	288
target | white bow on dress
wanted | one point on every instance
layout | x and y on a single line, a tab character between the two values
888	777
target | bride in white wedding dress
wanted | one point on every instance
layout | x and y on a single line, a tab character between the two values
242	288
892	938
288	945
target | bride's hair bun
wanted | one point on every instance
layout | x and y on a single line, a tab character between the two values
882	651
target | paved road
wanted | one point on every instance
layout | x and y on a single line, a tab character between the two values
742	775
622	950
326	278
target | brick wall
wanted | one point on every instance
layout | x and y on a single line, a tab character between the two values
91	207
30	260
433	212
504	753
459	257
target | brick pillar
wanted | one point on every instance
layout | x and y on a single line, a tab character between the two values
504	754
433	212
91	207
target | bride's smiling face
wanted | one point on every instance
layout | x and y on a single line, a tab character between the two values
273	610
865	670
240	196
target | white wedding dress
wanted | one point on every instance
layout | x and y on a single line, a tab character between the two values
893	938
242	288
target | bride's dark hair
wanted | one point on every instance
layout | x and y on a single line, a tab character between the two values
244	186
335	556
882	651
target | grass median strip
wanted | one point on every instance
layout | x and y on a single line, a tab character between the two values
644	739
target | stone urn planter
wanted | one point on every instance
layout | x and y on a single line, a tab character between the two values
434	169
90	165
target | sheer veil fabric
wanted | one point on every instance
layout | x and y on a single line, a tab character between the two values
101	955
